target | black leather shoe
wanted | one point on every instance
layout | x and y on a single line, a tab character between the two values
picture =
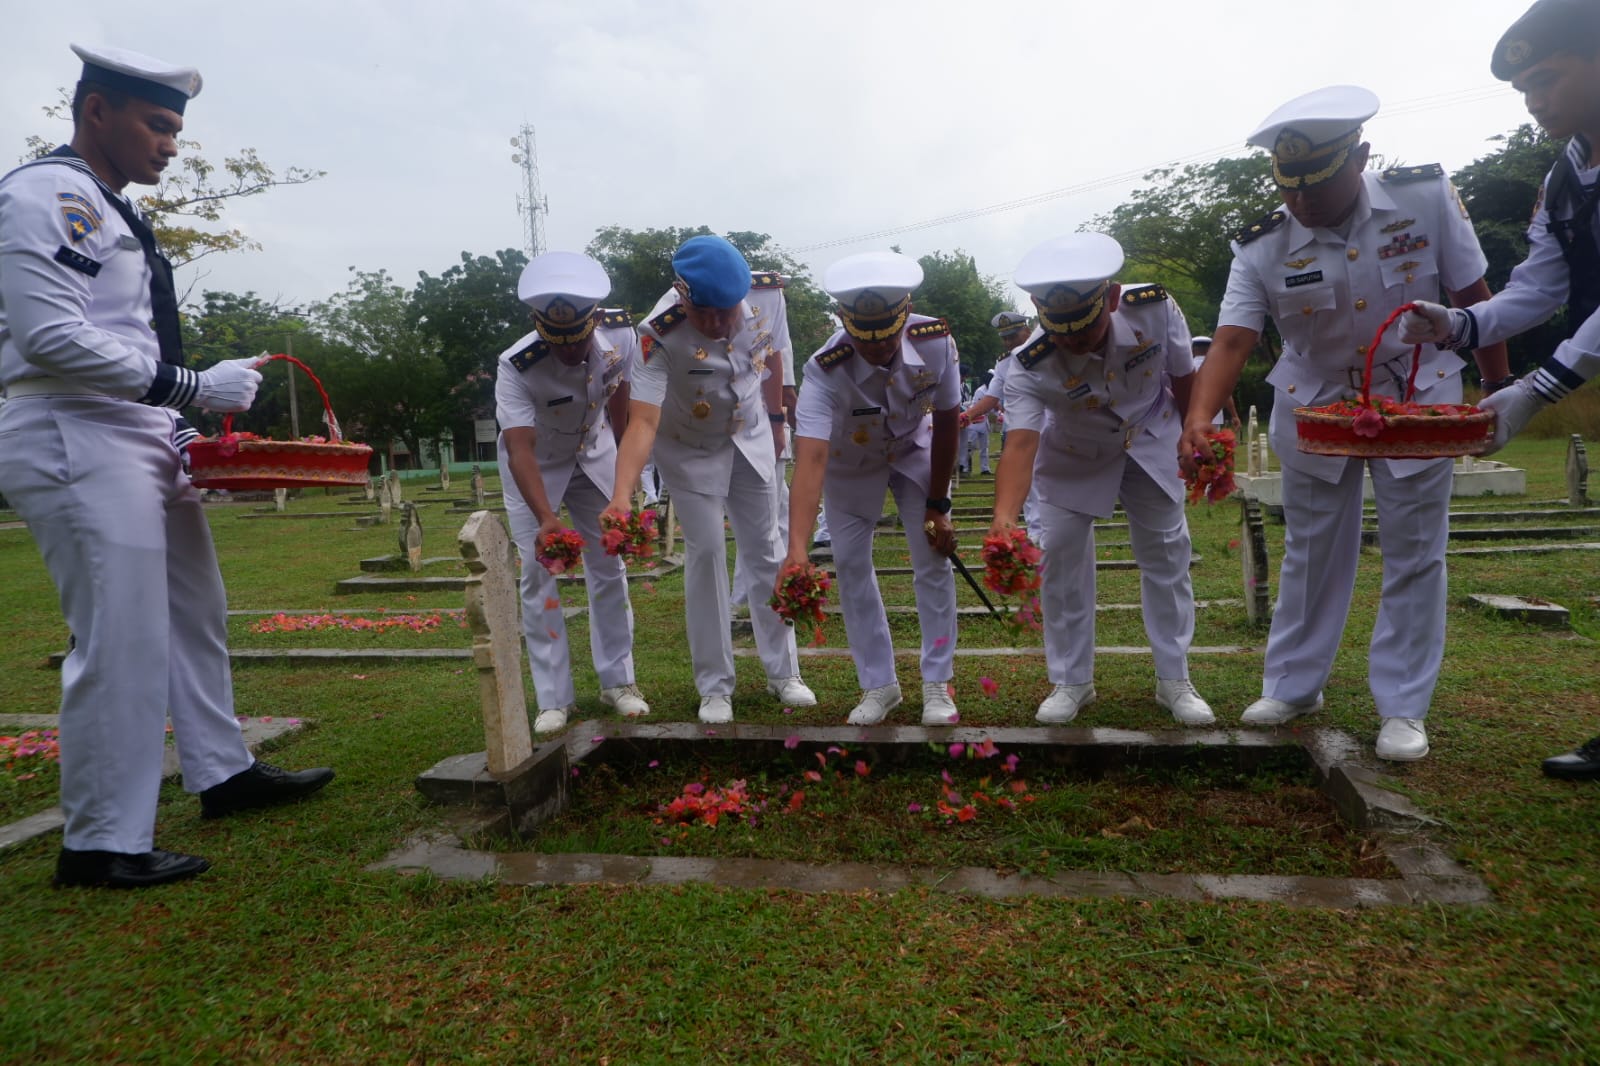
115	869
262	785
1580	765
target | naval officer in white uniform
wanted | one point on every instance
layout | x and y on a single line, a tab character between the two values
560	393
1348	247
91	359
1094	403
699	399
880	411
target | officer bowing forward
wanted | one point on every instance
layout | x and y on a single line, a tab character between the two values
715	420
1094	404
880	410
561	393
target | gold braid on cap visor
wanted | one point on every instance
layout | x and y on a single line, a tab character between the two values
878	327
565	329
1297	162
1074	319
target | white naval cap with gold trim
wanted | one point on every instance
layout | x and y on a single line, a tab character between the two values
140	75
1067	278
563	288
873	291
1311	136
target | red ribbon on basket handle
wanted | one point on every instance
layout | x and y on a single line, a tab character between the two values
327	404
1372	349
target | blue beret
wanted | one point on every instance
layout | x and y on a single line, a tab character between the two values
716	274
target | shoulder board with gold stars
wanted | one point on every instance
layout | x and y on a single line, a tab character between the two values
834	356
531	354
1263	225
1403	175
667	319
766	279
615	318
937	328
1143	294
1035	352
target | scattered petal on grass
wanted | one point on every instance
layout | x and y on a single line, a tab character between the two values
1234	543
990	686
792	741
574	771
812	775
957	750
653	764
693	788
359	677
913	808
711	732
862	769
795	801
788	710
1011	762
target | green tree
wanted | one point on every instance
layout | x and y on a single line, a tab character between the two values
471	314
1500	190
188	205
392	381
952	289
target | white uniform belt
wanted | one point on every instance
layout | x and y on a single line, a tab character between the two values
1351	376
49	387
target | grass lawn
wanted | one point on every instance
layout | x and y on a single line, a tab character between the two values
288	951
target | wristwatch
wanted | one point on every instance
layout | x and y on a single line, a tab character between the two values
940	506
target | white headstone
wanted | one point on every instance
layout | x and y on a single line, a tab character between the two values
477	486
280	499
411	538
1253	562
1577	472
392	489
492	614
444	476
1264	463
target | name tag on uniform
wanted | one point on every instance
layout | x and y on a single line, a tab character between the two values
866	411
1081	390
702	370
558	403
1143	357
1310	277
77	261
129	242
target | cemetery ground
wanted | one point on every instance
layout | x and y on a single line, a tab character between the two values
291	949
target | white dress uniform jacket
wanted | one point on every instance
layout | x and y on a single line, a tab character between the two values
1407	237
577	453
1108	431
714	449
100	481
878	425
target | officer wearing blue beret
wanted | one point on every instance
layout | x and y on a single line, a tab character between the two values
702	398
91	359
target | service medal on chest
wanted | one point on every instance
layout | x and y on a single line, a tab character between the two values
861	436
701	410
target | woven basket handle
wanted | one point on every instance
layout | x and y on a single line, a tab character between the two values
327	405
1372	349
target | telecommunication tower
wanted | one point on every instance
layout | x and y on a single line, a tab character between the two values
531	203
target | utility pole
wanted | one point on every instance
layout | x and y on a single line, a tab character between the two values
531	202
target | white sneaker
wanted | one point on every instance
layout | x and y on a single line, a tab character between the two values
716	710
1184	702
875	705
1402	740
627	699
1268	711
937	706
1064	703
793	691
550	721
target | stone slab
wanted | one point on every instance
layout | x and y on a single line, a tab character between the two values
1099	564
1526	549
1486	478
1372	537
256	731
382	564
298	514
1540	613
12	724
370	583
896	608
985	653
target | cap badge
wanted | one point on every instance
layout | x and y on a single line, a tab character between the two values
1518	51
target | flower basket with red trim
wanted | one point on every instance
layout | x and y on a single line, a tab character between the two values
246	462
1376	427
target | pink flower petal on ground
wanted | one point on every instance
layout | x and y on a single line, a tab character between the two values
957	750
654	763
913	808
989	685
693	788
862	769
788	710
711	732
792	741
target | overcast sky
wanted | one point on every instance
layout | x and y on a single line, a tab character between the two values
814	121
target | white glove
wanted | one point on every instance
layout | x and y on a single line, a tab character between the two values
1513	406
228	386
1434	324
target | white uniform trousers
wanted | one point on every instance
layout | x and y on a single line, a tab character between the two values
123	534
866	625
1160	538
976	438
605	578
742	590
751	507
1321	550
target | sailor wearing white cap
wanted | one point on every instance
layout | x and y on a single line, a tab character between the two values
1094	405
561	395
702	400
1201	347
879	412
91	357
1346	249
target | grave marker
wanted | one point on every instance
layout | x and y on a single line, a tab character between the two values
1253	561
477	486
368	490
1577	472
444	478
410	538
280	499
492	608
